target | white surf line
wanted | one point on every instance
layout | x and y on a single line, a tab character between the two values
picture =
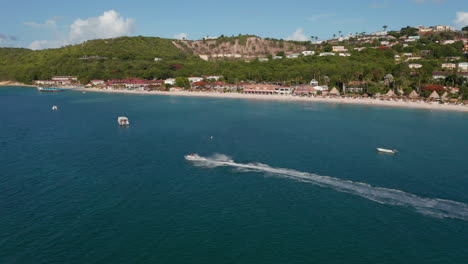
429	206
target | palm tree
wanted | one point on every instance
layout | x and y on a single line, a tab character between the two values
385	27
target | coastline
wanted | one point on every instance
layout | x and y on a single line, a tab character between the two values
12	83
288	98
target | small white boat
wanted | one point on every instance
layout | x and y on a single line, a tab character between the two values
123	121
54	108
389	151
194	157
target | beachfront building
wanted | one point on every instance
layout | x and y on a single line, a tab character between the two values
284	90
133	84
305	90
260	89
170	81
199	85
354	87
97	82
59	81
449	66
44	82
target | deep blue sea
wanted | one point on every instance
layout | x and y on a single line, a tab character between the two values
77	188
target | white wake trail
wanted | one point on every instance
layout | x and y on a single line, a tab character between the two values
428	206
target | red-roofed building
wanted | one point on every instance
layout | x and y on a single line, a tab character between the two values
434	87
199	85
305	90
260	89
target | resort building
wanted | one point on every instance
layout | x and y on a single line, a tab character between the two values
284	90
170	81
59	81
260	89
305	90
314	82
97	82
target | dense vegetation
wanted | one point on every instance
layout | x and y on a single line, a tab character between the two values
135	57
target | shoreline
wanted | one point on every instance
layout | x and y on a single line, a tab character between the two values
288	98
16	84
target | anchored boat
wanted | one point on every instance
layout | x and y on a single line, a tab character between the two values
123	121
389	151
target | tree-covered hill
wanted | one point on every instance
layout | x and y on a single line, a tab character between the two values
104	58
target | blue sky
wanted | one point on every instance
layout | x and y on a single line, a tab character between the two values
52	23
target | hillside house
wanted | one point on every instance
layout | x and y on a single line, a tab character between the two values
339	49
195	79
308	52
463	66
449	66
415	66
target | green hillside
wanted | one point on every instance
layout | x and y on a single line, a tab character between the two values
105	58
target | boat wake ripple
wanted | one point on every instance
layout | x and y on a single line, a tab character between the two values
440	208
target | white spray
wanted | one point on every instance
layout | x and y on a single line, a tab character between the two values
428	206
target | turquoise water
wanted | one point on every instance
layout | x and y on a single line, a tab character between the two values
76	188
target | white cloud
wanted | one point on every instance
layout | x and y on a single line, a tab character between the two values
109	25
320	16
47	44
462	19
429	1
50	23
298	35
181	36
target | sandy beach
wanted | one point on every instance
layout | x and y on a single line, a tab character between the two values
339	100
11	83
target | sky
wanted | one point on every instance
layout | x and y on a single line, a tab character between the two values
53	23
